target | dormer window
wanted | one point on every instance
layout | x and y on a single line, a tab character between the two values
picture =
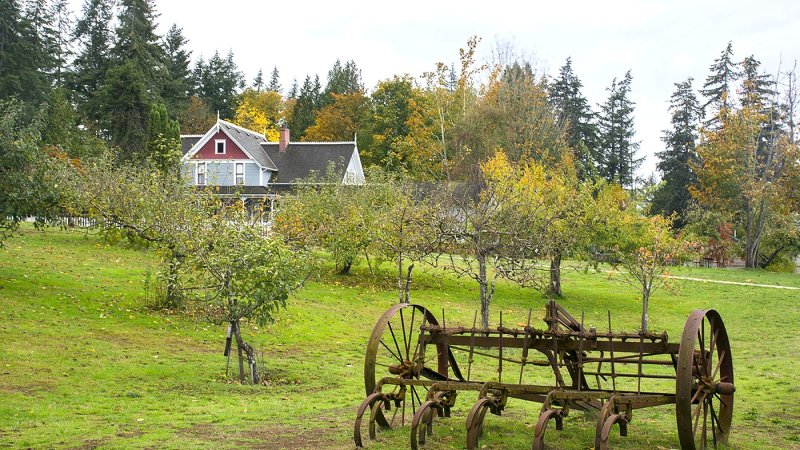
219	147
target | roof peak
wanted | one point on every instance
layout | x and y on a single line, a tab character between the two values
310	142
233	125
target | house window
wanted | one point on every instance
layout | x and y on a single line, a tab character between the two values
239	173
219	146
201	174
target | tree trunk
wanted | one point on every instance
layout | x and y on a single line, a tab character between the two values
645	306
485	298
751	253
400	290
249	352
555	275
346	267
407	289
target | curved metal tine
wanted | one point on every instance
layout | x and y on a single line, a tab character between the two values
421	336
471	344
403	325
391	330
410	332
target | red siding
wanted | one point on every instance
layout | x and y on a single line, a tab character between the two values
232	151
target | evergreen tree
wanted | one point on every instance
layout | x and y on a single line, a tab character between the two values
258	82
127	101
275	81
306	107
618	162
93	58
757	88
218	83
178	84
62	23
23	59
718	88
676	161
293	90
576	114
342	80
163	139
138	42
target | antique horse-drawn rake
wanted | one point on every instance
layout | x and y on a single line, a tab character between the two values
605	372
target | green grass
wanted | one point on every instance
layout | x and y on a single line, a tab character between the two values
84	362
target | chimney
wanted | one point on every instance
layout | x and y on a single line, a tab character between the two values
283	141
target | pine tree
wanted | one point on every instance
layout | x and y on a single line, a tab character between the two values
275	81
342	80
306	107
293	90
618	162
258	82
178	84
718	88
218	82
23	59
126	101
62	49
93	58
757	88
676	161
138	42
574	111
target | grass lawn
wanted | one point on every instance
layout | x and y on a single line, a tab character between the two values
85	363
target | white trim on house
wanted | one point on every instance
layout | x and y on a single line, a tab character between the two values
204	165
236	180
191	135
217	146
354	172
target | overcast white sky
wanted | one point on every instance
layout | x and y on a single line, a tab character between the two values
662	41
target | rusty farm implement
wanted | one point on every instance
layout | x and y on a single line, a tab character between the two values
416	366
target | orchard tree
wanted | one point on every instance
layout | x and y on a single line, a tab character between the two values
245	274
643	247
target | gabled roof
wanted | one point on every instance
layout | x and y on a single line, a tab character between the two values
248	141
300	159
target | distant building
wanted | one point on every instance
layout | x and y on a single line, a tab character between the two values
243	163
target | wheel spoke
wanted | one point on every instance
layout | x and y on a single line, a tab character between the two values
390	351
705	423
410	332
696	415
719	397
403	325
719	363
696	394
395	338
712	346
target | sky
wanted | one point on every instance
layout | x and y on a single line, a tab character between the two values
661	42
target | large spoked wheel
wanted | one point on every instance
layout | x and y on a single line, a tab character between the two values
395	350
704	382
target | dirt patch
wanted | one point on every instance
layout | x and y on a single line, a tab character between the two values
90	444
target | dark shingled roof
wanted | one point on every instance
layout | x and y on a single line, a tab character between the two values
250	142
302	158
188	141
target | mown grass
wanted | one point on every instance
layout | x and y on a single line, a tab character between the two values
85	362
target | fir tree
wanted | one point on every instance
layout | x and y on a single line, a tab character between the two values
293	90
23	59
275	81
94	37
618	162
127	101
178	84
219	80
306	107
342	80
258	82
676	161
757	88
163	139
576	114
138	42
718	88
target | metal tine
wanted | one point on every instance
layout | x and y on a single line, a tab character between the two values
611	351
500	342
525	346
471	344
580	353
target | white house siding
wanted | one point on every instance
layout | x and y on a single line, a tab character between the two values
189	172
251	177
219	173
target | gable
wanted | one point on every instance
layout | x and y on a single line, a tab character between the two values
208	150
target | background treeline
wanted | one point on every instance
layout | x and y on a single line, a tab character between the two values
103	77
